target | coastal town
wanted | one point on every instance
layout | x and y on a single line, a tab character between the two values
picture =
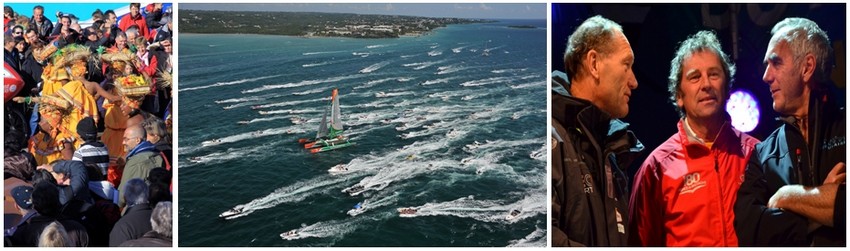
312	24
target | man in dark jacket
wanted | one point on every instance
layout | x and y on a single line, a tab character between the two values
591	147
137	217
72	178
41	24
793	192
160	236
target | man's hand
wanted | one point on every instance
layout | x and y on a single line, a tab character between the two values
837	175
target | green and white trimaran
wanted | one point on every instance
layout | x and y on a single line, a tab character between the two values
329	137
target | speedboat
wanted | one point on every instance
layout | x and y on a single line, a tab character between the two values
358	209
291	235
211	142
230	213
513	214
355	190
473	146
406	211
340	168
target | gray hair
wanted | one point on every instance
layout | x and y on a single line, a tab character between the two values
136	192
595	33
700	42
154	125
133	30
805	37
54	235
161	218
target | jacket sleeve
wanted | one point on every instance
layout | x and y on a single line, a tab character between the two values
77	173
646	206
758	225
559	193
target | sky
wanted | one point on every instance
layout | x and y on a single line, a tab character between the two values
460	10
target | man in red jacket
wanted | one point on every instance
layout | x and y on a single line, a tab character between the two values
685	191
135	18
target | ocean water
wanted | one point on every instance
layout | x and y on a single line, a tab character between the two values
245	100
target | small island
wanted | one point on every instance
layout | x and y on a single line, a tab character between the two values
312	24
522	26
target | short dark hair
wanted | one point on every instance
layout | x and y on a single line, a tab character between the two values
137	5
45	199
97	13
38	7
8	10
109	12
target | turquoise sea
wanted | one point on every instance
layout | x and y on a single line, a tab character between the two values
411	105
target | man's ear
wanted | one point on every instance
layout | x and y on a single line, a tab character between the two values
592	63
808	67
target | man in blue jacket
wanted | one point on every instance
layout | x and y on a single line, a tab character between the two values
793	192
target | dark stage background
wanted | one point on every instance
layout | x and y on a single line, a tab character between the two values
655	30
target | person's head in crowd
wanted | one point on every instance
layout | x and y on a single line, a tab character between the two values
133	136
38	14
91	34
87	130
599	61
159	175
18	31
110	17
155	128
158	193
8	42
132	32
32	36
76	27
166	45
20	44
65	20
97	15
798	61
14	141
42	175
62	178
8	13
135	10
136	192
45	199
54	235
23	198
701	72
161	218
141	45
121	40
97	25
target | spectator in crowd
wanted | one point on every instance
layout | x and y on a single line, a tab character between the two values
42	25
134	18
160	235
54	235
136	219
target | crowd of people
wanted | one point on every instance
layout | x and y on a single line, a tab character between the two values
88	137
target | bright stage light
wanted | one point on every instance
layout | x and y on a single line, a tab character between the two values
744	110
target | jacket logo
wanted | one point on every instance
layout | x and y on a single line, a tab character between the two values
692	184
833	143
588	184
